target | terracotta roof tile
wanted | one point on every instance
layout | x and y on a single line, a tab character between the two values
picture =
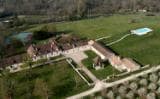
105	51
11	60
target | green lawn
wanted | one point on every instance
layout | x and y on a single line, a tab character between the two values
59	77
144	49
102	73
89	61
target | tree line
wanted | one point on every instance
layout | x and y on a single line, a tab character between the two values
75	8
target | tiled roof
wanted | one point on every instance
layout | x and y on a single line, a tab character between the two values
66	46
42	50
11	60
105	51
129	63
81	43
114	59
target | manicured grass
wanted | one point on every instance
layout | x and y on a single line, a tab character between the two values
60	78
144	49
102	73
89	61
104	26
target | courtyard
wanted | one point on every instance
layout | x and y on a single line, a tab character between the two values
102	73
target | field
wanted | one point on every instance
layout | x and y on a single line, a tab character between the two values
59	79
62	81
144	49
108	70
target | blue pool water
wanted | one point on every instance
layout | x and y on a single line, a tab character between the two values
143	30
22	36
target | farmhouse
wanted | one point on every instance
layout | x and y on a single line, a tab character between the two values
68	45
123	63
39	50
50	49
54	48
13	61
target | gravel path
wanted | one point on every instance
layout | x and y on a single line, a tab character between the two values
118	40
101	85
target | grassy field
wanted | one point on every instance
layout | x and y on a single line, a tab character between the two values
60	79
102	73
144	49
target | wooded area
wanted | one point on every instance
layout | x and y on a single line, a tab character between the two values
25	13
75	8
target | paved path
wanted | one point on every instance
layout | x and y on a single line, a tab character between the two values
118	40
102	38
36	65
100	86
78	57
76	69
88	73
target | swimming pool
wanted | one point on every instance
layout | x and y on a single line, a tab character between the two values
23	36
141	31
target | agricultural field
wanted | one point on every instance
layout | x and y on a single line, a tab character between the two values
58	80
108	70
143	87
143	49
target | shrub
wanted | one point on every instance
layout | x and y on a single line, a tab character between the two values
16	43
150	14
44	32
41	35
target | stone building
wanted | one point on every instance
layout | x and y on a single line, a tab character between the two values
98	63
115	60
